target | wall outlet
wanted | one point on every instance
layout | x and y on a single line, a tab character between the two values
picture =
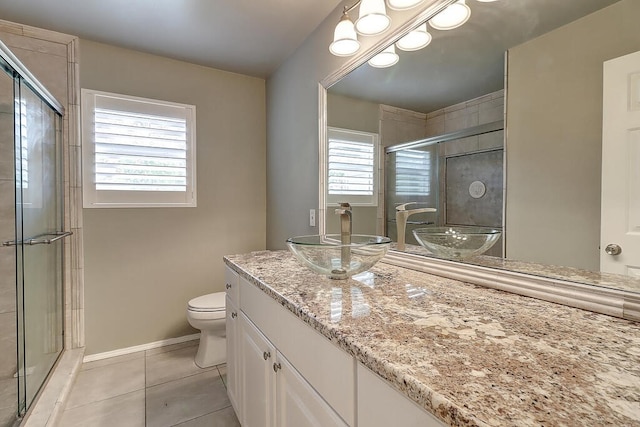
312	217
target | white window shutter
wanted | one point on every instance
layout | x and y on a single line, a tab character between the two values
137	152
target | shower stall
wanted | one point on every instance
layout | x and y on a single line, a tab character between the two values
31	236
428	173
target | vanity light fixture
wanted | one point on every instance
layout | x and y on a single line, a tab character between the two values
452	16
373	18
386	58
345	39
415	40
405	4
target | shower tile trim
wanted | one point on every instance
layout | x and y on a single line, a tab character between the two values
51	403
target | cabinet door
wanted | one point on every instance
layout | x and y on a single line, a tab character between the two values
258	377
298	404
233	365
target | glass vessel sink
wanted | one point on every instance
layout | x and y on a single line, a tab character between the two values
326	255
457	242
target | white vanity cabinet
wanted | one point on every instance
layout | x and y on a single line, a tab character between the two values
286	374
273	391
232	328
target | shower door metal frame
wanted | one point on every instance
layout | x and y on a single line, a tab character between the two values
22	76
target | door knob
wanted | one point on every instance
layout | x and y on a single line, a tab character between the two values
613	249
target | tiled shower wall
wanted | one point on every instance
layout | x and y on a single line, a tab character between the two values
398	125
485	109
51	58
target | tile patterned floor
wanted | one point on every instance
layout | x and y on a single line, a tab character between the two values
162	387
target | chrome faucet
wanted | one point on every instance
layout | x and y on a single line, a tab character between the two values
345	234
402	215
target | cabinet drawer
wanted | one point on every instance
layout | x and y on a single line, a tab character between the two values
261	309
232	286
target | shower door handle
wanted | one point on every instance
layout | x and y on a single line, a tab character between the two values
40	239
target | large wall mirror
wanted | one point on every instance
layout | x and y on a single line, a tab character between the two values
505	114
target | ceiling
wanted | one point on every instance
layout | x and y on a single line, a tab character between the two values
251	37
466	62
255	37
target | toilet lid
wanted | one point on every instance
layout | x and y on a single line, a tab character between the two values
209	302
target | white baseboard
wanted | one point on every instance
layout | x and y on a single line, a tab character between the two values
141	347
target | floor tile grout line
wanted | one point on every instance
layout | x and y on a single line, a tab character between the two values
186	376
146	352
93	402
200	416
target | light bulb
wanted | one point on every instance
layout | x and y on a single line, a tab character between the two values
415	40
345	39
404	4
373	18
452	17
386	58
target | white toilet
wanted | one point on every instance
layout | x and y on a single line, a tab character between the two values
207	313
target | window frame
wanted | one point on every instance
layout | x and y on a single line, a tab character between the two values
93	198
358	137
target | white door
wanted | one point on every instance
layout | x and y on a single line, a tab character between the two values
298	404
620	229
258	389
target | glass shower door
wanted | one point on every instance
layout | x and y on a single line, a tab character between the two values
38	240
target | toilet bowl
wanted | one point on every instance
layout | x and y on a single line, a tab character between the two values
207	313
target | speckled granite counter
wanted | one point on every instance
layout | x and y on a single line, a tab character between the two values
472	356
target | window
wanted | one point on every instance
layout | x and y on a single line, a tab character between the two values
352	174
413	173
137	152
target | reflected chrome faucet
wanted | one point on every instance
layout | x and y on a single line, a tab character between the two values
345	234
402	215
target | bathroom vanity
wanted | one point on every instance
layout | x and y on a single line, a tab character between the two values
402	347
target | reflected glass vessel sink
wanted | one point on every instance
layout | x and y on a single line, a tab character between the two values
457	242
325	254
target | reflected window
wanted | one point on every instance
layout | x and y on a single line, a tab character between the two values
413	173
352	170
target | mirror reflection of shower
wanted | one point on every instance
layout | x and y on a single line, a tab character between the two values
457	173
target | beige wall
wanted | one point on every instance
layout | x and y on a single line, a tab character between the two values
554	128
143	265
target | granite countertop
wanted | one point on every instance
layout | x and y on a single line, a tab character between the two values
471	355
